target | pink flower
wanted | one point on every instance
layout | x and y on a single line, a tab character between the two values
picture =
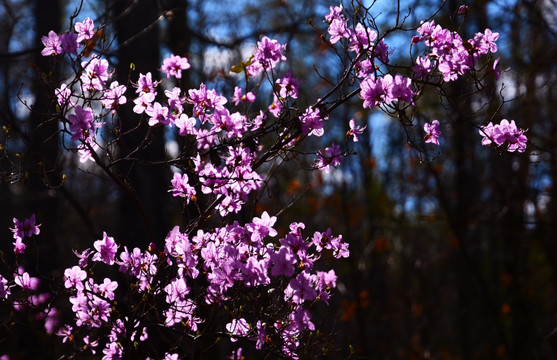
158	114
174	65
85	30
269	53
288	86
239	97
95	74
19	246
63	95
114	96
26	282
69	43
504	133
354	130
181	187
4	288
312	122
106	249
338	30
432	132
376	91
237	327
52	44
26	228
81	123
74	278
331	156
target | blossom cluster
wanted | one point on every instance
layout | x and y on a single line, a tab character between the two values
446	52
375	90
226	257
505	134
224	267
23	290
449	53
22	229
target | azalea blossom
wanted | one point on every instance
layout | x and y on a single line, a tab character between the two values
432	132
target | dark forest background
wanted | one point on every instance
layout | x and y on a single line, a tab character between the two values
453	248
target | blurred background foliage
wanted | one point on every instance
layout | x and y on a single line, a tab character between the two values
453	248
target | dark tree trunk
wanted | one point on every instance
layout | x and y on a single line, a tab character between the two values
144	207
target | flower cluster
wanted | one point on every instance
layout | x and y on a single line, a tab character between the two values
360	39
223	268
505	133
385	90
23	290
452	55
22	229
228	257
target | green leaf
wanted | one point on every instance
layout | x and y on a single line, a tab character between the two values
238	68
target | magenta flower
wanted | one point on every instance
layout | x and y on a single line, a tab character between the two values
26	228
19	246
237	327
4	288
95	74
401	89
145	84
288	86
85	153
312	122
263	226
114	96
497	71
185	124
301	289
25	281
182	188
174	65
330	156
106	249
142	102
112	351
335	12
423	67
362	38
83	257
338	30
283	262
74	278
52	44
81	123
269	53
354	130
301	319
69	43
276	106
51	320
158	114
85	30
238	97
432	132
106	289
63	95
504	133
327	279
376	91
